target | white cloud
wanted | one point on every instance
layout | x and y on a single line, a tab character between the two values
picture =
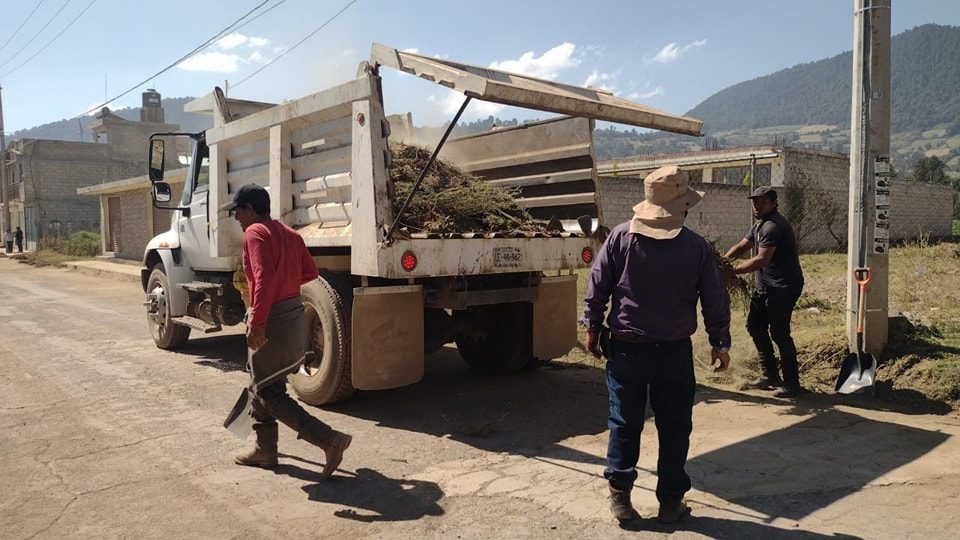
231	41
658	91
412	50
546	66
603	81
672	52
228	62
214	62
450	104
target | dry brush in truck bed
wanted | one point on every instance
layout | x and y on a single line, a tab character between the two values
450	200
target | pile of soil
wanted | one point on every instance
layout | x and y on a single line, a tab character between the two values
450	200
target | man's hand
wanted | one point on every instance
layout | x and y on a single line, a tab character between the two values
256	338
719	360
593	342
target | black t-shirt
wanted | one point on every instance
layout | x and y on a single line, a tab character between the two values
784	271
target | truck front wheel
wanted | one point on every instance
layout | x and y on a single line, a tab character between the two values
325	376
500	340
166	334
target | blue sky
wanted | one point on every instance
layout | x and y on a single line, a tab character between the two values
668	55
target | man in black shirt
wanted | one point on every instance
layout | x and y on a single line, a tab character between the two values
779	281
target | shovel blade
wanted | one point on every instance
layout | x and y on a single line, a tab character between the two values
858	373
239	421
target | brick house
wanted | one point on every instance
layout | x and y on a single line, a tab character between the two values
44	175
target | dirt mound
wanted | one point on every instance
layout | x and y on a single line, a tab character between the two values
450	200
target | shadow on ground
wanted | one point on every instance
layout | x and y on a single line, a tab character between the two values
223	352
790	472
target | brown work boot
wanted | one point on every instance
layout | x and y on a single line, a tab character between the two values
334	446
620	505
763	383
672	511
264	452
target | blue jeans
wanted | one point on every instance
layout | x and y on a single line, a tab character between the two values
665	371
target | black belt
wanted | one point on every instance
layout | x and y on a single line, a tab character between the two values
630	338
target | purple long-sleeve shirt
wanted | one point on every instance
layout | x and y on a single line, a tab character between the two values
655	285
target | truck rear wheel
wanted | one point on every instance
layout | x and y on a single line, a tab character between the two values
501	342
325	376
166	334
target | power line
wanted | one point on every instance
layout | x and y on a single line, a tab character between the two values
310	35
17	31
51	41
181	59
44	27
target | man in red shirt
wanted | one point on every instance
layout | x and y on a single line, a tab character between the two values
276	262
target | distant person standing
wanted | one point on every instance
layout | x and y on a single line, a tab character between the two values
9	238
18	238
779	282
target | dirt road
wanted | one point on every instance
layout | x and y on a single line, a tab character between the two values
104	435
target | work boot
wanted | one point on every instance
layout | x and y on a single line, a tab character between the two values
672	511
620	505
333	449
788	391
333	443
764	383
264	452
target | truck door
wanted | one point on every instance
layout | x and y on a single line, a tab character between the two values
195	229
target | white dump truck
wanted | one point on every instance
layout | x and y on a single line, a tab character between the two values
386	297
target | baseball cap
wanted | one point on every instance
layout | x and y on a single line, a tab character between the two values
250	194
764	191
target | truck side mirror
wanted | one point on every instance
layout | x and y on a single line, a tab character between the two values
156	162
161	190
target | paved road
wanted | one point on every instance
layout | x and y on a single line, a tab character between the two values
103	435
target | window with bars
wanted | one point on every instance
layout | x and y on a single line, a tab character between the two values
741	175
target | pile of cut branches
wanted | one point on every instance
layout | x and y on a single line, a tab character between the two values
450	200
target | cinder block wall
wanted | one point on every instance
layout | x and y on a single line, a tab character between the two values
918	208
822	214
135	208
723	216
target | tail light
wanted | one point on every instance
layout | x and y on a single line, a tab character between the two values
586	255
408	261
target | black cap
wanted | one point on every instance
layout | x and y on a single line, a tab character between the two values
764	191
250	194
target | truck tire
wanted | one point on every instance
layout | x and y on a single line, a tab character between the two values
166	334
325	376
504	342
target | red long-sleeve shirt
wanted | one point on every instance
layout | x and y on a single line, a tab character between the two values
275	262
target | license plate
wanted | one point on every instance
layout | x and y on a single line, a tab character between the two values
507	257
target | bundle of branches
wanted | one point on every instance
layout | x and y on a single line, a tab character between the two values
740	289
450	200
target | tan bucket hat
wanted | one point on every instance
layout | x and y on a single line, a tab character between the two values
667	198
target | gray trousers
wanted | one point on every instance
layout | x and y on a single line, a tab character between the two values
269	366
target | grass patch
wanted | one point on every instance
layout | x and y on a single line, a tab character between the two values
46	257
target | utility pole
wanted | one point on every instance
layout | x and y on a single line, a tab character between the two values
868	233
3	172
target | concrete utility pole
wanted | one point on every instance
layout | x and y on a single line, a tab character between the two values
869	226
4	192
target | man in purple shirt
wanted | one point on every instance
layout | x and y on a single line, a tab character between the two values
654	270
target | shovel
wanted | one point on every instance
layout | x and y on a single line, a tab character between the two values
858	371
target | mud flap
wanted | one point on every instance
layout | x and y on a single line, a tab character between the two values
387	337
555	317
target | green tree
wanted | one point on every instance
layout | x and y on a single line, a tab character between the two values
930	169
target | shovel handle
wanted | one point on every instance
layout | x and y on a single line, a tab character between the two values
862	276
